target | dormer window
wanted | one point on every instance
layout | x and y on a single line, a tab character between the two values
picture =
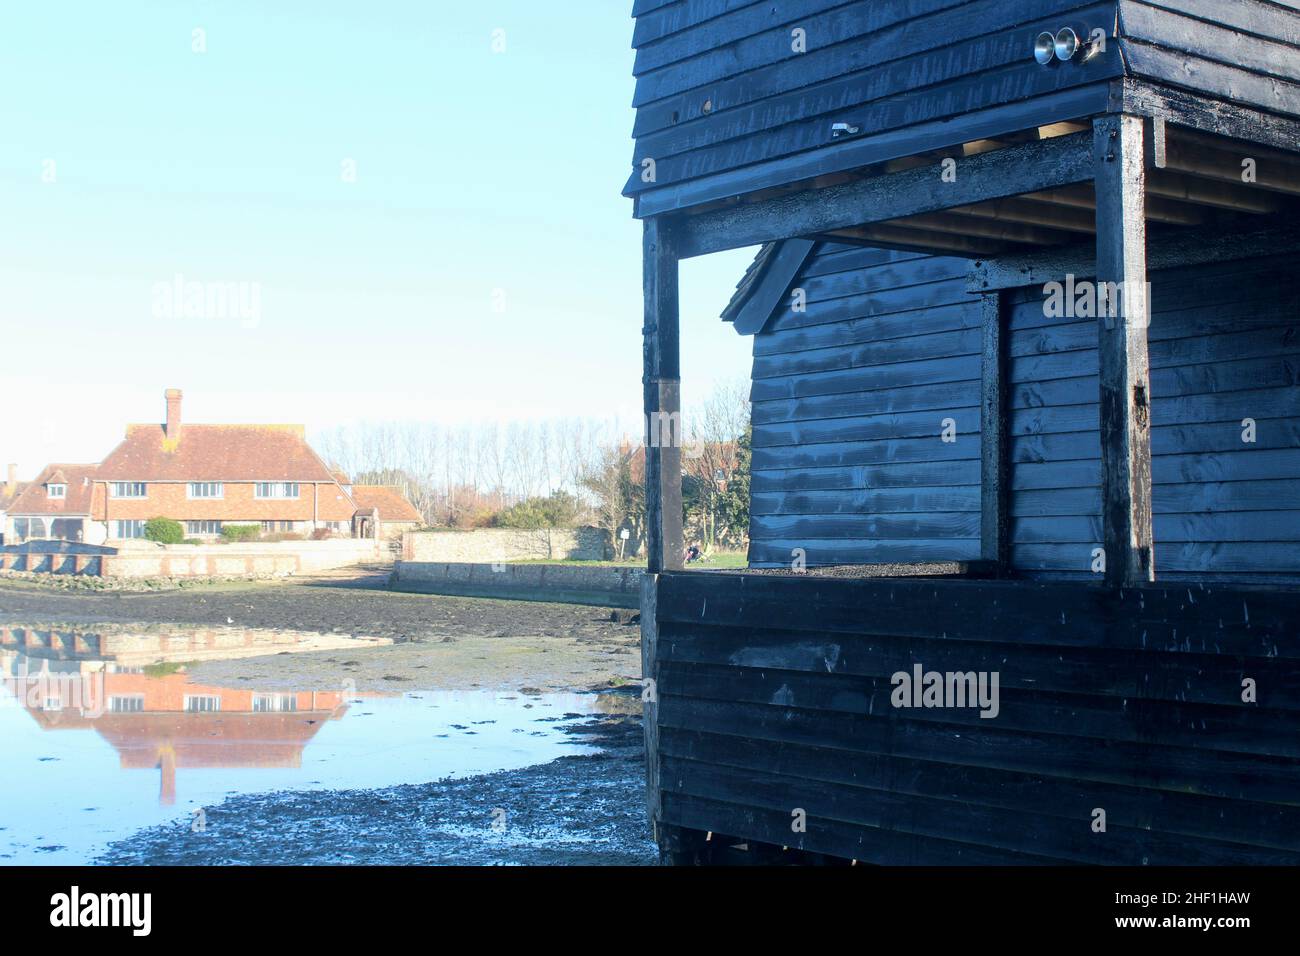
56	490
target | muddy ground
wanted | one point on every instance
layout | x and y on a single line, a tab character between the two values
440	642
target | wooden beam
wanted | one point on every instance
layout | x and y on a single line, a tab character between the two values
1158	209
995	533
902	237
1123	366
1030	213
1209	115
662	394
985	227
1197	159
1029	167
1163	252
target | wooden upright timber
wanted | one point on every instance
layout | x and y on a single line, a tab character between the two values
995	525
662	392
1125	400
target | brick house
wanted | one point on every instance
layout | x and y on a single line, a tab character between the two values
60	503
206	477
8	493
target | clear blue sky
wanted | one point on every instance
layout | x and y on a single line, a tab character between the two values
475	171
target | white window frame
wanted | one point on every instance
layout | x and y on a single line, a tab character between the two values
193	521
202	710
56	490
283	486
220	490
137	702
113	487
117	528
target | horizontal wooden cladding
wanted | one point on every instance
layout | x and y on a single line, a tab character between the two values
1244	51
1147	763
857	152
823	552
758	99
895	476
774	697
1194	619
833	781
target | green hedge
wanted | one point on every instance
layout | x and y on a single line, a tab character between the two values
164	531
241	532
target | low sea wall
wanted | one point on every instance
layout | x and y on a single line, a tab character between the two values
505	544
603	586
269	559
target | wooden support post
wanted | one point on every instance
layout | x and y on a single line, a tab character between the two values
662	385
995	533
1122	350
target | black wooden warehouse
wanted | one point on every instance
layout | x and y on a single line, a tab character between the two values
957	358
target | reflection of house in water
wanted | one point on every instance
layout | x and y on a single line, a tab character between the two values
68	680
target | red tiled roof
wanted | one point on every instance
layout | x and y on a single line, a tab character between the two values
33	500
215	453
6	498
392	505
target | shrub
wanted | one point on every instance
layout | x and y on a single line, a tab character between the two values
241	532
164	531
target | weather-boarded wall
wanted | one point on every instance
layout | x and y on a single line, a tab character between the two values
776	707
734	96
1225	439
866	414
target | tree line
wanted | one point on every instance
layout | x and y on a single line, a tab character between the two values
559	473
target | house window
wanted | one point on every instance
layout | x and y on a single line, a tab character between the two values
278	525
275	489
29	527
133	704
128	489
206	489
133	528
203	527
202	704
57	491
274	703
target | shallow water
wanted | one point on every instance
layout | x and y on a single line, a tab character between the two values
93	750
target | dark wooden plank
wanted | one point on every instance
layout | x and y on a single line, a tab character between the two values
872	502
662	385
1191	815
1006	172
857	152
1223	117
893	475
767	293
1251	777
1222	619
1125	415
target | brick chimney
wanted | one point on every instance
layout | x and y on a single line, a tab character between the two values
173	414
11	484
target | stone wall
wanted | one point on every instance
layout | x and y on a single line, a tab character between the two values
568	584
496	545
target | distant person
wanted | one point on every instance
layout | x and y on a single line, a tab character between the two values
692	553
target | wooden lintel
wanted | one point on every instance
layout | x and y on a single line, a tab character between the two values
1123	366
1028	167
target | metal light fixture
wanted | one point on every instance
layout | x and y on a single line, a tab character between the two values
1044	48
1066	44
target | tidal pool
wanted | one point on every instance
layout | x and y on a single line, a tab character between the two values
104	735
